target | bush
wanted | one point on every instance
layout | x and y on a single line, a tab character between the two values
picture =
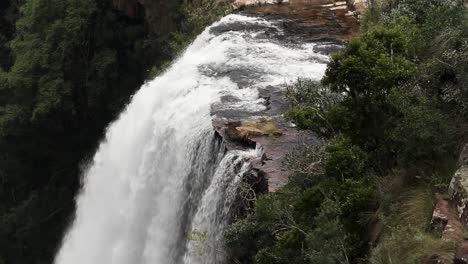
343	160
419	133
314	209
370	65
310	102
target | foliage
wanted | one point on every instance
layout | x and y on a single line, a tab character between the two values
201	13
370	65
343	160
312	210
388	105
419	132
67	67
313	106
198	239
198	14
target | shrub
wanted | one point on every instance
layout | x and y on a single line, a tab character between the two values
419	132
370	65
343	160
310	102
307	93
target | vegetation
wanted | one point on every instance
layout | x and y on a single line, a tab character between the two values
67	67
387	107
198	15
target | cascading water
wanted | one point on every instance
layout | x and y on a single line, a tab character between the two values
160	175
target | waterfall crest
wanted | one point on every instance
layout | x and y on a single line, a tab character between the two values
160	173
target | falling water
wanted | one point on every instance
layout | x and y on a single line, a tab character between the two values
160	187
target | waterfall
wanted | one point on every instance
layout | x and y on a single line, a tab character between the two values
160	187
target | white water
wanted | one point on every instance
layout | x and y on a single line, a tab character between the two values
160	173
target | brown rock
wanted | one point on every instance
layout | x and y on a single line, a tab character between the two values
311	19
445	220
461	255
249	132
271	168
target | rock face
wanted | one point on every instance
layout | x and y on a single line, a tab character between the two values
313	19
274	146
458	189
445	221
458	192
359	5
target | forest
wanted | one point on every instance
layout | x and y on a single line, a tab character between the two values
67	68
392	111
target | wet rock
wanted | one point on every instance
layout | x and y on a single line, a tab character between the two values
274	100
275	151
312	20
274	145
227	130
327	48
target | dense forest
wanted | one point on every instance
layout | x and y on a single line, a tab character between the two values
67	68
392	111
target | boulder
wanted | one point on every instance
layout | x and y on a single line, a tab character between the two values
359	5
445	222
458	191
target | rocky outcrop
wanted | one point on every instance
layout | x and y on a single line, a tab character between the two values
274	145
445	221
360	6
316	20
458	192
458	189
